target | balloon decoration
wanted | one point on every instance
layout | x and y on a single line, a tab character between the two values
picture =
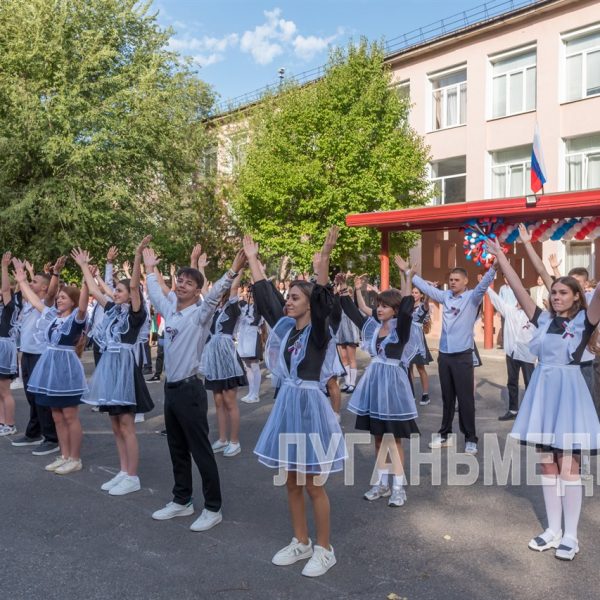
477	231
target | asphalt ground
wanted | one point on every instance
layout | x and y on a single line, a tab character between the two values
63	538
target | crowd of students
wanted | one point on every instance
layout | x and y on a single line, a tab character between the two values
211	338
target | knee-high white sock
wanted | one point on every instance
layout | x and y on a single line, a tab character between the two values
553	502
353	373
347	375
383	476
399	481
256	379
250	377
571	505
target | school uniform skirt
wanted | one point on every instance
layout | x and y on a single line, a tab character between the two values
221	364
8	358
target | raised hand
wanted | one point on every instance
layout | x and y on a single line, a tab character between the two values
59	265
143	244
524	234
202	261
127	269
195	255
494	247
554	262
47	267
81	257
330	240
339	279
239	261
316	261
415	268
30	269
19	267
93	270
6	258
150	259
250	247
112	253
401	263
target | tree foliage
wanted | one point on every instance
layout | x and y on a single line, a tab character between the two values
101	130
319	152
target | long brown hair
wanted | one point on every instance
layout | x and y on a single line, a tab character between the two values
574	286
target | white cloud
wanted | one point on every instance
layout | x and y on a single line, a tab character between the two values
308	47
266	41
206	50
205	60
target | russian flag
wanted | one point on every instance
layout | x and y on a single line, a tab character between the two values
538	168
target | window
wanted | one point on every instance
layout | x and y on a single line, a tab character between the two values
511	172
449	178
582	66
513	84
237	149
449	99
209	161
582	163
579	254
403	90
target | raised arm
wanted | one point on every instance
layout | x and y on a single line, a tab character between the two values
158	299
498	303
235	285
111	255
195	255
429	290
554	265
166	290
326	250
407	279
28	293
537	262
82	258
251	251
593	311
523	297
483	285
84	298
136	276
56	269
6	296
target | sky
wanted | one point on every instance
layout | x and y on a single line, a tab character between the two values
240	45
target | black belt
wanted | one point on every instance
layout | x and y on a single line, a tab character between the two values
176	384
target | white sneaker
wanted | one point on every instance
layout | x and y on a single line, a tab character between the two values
320	562
471	448
127	485
567	550
398	497
292	553
8	430
219	446
95	409
139	418
232	449
250	399
377	491
16	384
439	442
173	510
546	540
207	520
114	481
69	466
57	462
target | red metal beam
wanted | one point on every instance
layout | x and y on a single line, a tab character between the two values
384	261
453	216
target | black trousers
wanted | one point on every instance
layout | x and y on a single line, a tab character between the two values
186	407
40	417
97	353
457	379
513	367
160	356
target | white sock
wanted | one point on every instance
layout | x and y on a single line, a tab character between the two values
383	476
256	379
399	481
571	505
347	375
250	377
553	502
353	373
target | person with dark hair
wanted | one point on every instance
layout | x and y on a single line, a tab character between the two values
41	430
460	309
348	340
58	380
250	345
298	349
9	313
224	372
557	414
118	386
421	324
383	401
187	323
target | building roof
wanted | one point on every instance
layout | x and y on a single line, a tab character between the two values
454	216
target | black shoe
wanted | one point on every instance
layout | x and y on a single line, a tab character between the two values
424	400
154	378
25	440
509	416
147	371
46	447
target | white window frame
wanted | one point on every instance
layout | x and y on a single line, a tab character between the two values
493	59
443	179
525	164
568	37
567	245
432	77
585	156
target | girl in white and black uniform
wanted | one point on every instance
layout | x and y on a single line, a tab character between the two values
348	340
9	313
557	413
118	386
421	323
58	380
383	400
224	372
298	347
249	346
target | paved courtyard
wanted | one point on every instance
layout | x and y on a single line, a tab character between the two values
61	537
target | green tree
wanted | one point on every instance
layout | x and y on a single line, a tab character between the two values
101	130
319	152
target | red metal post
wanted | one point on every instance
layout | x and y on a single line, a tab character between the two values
384	259
488	322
